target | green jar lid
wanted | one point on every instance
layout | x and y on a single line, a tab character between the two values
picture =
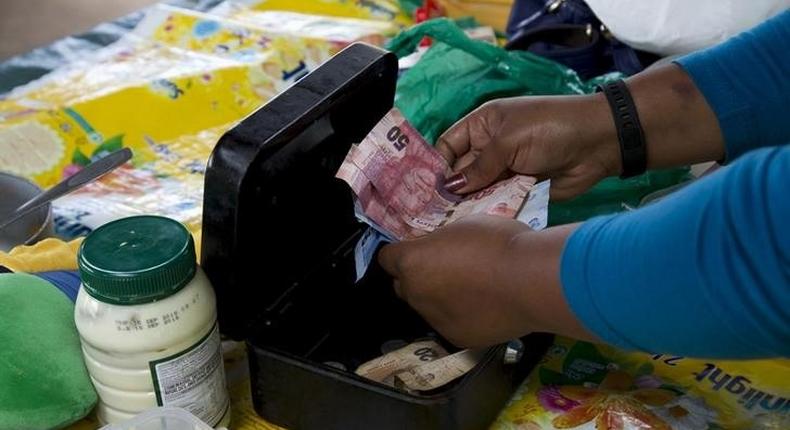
136	260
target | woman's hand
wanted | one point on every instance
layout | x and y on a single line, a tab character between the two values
573	140
570	139
484	280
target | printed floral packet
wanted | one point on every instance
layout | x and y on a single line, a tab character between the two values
578	385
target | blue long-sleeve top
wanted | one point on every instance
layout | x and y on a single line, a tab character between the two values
704	272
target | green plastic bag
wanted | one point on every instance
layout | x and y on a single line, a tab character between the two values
615	195
458	74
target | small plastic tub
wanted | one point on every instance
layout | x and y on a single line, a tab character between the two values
162	419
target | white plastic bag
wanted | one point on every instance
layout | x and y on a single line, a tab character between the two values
672	27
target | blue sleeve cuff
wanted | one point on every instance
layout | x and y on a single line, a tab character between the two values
577	287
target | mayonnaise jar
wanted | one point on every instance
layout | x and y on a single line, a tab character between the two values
147	319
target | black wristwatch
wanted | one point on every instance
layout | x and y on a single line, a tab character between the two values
633	151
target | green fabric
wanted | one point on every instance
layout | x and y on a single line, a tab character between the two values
457	74
43	381
409	6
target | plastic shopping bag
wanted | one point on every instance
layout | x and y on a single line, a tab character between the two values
457	74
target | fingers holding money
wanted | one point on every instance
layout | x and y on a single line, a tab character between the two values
467	137
455	141
469	146
545	137
483	170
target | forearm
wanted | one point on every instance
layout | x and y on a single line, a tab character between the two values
531	263
679	126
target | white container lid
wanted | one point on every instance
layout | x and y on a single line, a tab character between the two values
165	418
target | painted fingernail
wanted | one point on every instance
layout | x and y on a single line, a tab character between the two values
455	182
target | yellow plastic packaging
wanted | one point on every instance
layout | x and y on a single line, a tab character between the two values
494	13
171	185
579	385
121	100
338	31
168	91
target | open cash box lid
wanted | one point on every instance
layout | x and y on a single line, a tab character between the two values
274	215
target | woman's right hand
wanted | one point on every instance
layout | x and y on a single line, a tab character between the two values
572	139
569	139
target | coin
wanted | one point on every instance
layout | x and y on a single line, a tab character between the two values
392	345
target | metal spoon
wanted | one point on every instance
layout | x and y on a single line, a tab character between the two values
90	173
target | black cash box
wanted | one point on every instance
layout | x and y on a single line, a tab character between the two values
278	245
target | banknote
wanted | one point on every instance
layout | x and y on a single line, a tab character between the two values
535	212
366	248
399	179
420	366
438	373
384	369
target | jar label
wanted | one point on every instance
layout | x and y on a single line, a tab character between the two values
194	379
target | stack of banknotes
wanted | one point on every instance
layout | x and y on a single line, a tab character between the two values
423	365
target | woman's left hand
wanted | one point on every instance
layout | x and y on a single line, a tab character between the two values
483	280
